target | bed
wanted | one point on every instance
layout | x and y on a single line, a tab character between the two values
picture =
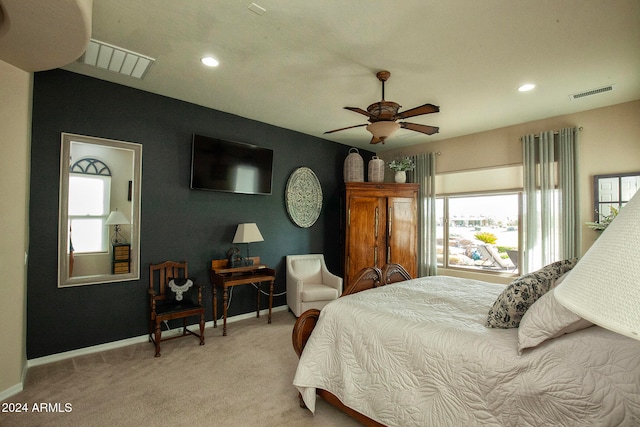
419	353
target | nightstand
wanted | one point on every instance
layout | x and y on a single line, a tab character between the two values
121	259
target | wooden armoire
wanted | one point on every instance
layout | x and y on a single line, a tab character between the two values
380	226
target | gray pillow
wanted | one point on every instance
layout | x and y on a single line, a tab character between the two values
519	295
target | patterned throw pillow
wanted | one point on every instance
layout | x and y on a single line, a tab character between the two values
514	301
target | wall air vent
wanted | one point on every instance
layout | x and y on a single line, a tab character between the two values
592	92
109	57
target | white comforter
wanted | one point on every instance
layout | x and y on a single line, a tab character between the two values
417	353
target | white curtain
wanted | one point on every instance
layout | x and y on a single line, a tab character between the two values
425	175
551	230
569	193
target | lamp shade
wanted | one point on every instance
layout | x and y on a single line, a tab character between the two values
382	129
604	287
117	218
247	233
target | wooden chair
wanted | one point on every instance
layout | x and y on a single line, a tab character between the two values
172	295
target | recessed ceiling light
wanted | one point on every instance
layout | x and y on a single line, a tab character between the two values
526	87
210	61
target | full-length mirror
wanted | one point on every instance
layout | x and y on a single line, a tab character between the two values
99	219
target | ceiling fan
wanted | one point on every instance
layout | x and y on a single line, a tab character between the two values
384	116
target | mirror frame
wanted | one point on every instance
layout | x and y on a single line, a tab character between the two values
63	230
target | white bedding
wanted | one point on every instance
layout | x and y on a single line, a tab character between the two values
417	353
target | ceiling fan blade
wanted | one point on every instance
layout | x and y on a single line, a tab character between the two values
417	111
361	111
348	127
429	130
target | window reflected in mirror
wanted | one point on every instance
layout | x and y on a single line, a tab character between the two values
89	202
612	192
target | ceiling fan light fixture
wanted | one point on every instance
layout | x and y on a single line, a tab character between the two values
384	109
383	129
383	116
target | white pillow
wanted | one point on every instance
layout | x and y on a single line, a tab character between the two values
559	280
547	319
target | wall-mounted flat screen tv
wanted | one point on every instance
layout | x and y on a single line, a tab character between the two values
221	165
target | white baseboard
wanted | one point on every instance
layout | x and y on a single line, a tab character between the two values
135	340
15	389
5	394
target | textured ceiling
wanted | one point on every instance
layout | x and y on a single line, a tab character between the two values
297	65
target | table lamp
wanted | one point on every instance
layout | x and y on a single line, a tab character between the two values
247	233
117	218
604	287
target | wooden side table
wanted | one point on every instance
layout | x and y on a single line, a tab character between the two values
223	277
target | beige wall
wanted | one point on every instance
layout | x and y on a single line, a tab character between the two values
15	136
608	143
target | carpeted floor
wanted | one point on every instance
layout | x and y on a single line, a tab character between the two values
243	379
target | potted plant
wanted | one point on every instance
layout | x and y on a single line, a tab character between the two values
605	221
401	167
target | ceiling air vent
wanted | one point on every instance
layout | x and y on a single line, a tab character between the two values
592	92
117	59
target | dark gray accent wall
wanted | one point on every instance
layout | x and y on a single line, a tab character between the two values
177	223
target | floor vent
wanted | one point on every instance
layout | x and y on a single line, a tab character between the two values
113	58
592	92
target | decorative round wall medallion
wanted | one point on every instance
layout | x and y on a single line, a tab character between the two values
303	197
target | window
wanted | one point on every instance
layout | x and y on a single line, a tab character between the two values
613	191
480	231
88	210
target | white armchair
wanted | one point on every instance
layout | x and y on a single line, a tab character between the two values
309	283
